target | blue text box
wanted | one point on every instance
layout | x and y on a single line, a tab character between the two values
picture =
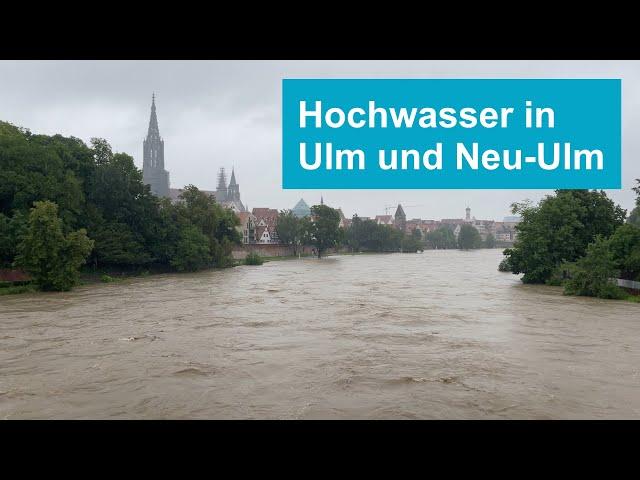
586	119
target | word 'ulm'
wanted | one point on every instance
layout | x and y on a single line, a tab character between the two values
337	159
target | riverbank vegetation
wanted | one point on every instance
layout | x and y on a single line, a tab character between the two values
362	235
320	230
469	238
64	203
253	258
578	239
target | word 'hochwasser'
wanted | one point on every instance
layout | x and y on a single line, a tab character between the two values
374	116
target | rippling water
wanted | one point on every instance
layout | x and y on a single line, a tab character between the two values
436	335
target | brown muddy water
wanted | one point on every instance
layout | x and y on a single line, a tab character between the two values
419	336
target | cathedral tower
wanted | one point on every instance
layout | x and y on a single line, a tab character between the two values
233	190
153	172
221	189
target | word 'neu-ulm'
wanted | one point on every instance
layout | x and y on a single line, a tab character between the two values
562	156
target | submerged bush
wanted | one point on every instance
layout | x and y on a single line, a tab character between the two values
505	265
593	275
253	258
17	289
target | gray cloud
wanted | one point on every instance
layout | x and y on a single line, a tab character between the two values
227	113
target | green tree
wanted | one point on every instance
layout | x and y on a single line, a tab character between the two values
288	228
117	244
101	151
625	249
441	238
52	258
351	236
218	224
504	266
410	244
634	216
367	235
559	229
103	192
469	238
490	241
11	231
40	167
592	274
192	252
323	231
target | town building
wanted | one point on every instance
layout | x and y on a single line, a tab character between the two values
505	234
343	219
400	219
384	220
247	227
266	222
484	228
511	221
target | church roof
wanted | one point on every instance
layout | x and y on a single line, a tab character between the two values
400	211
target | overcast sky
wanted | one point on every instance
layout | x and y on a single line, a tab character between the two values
227	113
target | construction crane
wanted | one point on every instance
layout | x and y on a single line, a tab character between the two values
387	207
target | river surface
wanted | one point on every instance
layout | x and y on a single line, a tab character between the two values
441	334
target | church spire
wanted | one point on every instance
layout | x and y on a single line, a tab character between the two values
232	182
153	119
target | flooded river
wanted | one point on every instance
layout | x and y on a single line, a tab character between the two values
416	336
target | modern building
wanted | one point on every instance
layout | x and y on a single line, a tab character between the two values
301	209
153	171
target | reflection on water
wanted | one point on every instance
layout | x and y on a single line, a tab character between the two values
436	335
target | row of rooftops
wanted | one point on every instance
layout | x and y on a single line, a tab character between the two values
268	217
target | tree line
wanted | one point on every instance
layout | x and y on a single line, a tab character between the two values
321	230
579	239
64	203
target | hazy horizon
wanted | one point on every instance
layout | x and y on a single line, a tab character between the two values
216	114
